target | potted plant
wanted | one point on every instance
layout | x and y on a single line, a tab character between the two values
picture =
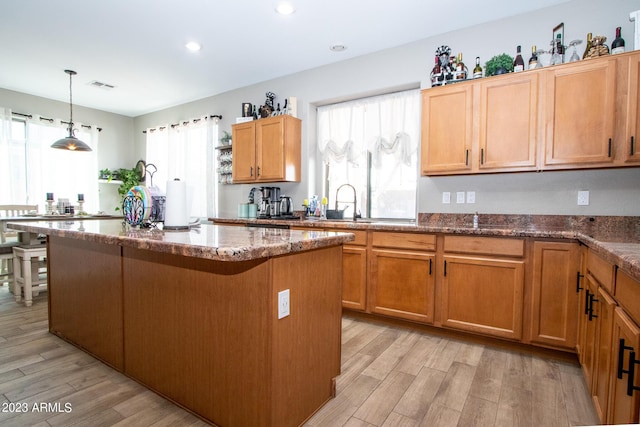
130	178
105	174
226	138
499	64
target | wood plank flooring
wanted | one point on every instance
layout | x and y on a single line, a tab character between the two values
391	376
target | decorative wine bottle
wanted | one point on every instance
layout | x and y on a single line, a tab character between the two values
477	70
589	45
533	61
617	46
518	63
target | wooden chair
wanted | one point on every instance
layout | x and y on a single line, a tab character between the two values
9	238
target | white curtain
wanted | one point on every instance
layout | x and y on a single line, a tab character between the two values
31	168
185	151
382	125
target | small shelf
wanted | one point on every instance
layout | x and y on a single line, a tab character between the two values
106	181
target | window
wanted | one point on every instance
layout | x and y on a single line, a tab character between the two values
371	143
185	151
30	168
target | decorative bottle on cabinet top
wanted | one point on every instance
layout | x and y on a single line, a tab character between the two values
518	62
477	70
617	46
533	61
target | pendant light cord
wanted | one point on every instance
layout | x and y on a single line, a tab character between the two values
71	73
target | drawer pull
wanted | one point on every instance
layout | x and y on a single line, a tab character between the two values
632	370
609	149
250	170
430	262
258	171
445	267
466	159
482	156
633	147
578	287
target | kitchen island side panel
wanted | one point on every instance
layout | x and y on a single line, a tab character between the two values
197	331
307	343
85	296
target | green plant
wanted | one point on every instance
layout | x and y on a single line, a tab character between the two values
225	138
105	174
499	61
130	178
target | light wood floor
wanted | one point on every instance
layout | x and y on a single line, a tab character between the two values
391	376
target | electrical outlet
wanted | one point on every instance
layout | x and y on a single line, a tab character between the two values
471	196
460	197
583	198
284	307
446	197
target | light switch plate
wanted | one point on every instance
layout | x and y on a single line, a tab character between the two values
460	197
284	302
446	197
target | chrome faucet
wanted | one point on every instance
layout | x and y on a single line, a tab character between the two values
354	202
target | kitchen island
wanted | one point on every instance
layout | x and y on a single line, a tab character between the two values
193	315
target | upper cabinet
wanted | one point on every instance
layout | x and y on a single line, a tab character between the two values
572	116
630	147
447	129
580	106
267	150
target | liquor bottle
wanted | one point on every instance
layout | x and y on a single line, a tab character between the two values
559	50
617	46
518	63
533	61
589	45
461	70
477	70
436	74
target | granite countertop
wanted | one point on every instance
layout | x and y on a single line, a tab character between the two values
615	238
206	241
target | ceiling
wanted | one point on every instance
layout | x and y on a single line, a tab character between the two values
139	46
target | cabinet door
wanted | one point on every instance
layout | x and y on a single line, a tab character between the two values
402	284
354	277
587	359
483	295
580	114
554	299
244	152
624	402
604	307
270	150
509	122
630	146
447	114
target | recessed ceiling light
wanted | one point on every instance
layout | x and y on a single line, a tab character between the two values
193	46
338	47
285	9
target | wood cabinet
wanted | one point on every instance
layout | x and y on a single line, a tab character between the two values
267	150
624	398
554	298
629	147
580	101
508	116
403	275
602	310
483	284
447	117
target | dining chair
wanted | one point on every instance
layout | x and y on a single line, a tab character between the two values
9	238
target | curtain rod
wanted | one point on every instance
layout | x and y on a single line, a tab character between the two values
184	123
46	119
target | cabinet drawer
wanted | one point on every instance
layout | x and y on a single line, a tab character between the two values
628	294
361	235
484	245
601	270
404	240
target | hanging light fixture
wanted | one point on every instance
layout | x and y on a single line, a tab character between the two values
70	142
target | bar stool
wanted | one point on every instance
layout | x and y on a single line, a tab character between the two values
29	272
6	263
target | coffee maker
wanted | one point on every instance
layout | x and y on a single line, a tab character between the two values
270	203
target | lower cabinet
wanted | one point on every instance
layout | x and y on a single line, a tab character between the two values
483	292
354	272
403	275
554	299
625	375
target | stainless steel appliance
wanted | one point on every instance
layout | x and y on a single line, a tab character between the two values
270	203
286	206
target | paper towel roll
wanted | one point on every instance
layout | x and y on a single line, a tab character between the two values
176	216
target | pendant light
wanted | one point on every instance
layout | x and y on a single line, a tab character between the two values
70	142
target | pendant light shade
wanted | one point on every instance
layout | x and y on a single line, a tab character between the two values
70	142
